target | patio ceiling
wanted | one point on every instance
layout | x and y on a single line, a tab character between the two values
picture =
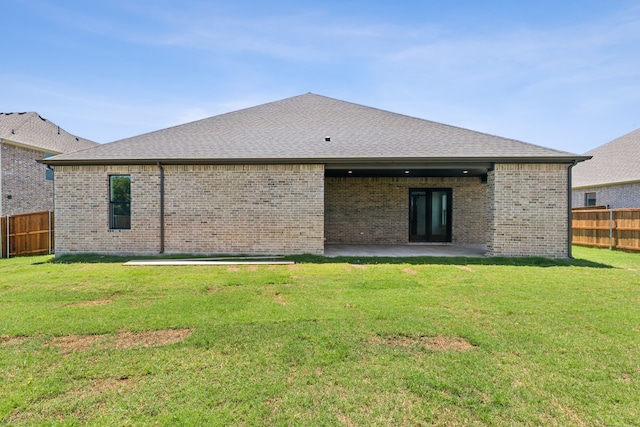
407	170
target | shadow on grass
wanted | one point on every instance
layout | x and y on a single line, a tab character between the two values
518	262
316	259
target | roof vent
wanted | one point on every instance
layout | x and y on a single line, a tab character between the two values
327	138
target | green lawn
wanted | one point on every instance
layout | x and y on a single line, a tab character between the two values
356	342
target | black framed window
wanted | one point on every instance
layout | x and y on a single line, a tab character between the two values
120	202
590	199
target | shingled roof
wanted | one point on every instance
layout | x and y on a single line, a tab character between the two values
311	128
29	129
615	162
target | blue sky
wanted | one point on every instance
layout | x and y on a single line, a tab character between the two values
563	74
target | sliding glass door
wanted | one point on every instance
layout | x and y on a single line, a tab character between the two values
430	215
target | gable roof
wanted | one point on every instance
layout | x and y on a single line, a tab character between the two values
614	162
310	128
29	129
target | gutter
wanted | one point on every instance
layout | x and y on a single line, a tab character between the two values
31	147
161	167
607	184
329	161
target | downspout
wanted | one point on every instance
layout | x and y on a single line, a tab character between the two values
52	224
2	242
1	193
161	207
570	207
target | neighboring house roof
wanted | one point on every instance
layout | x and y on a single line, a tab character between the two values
311	128
615	162
29	129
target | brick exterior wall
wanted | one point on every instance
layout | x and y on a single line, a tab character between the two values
270	209
252	209
376	210
528	210
23	178
622	196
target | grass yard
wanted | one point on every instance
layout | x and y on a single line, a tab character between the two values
349	342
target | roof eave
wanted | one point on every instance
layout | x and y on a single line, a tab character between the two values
28	146
606	184
327	161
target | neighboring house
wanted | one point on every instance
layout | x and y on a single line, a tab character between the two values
612	177
26	185
289	176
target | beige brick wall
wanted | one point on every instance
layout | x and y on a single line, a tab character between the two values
23	178
528	206
257	209
376	210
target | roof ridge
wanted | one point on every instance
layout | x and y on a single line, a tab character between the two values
33	130
24	121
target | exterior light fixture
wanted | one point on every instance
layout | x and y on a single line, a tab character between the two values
406	171
465	171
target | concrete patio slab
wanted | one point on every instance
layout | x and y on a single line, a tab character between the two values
175	262
435	250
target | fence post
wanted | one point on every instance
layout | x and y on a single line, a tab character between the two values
610	229
8	238
49	232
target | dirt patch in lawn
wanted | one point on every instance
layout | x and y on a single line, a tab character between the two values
11	340
92	303
409	270
465	268
280	299
104	385
75	343
152	338
437	343
442	343
123	340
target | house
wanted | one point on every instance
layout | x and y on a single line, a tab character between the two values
290	176
612	177
26	185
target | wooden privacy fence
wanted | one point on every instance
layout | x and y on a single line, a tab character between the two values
27	234
607	228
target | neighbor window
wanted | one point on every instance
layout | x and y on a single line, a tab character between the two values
120	202
48	174
590	199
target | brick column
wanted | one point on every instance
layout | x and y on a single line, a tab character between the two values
527	210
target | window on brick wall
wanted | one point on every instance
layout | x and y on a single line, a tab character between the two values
120	202
48	173
589	199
